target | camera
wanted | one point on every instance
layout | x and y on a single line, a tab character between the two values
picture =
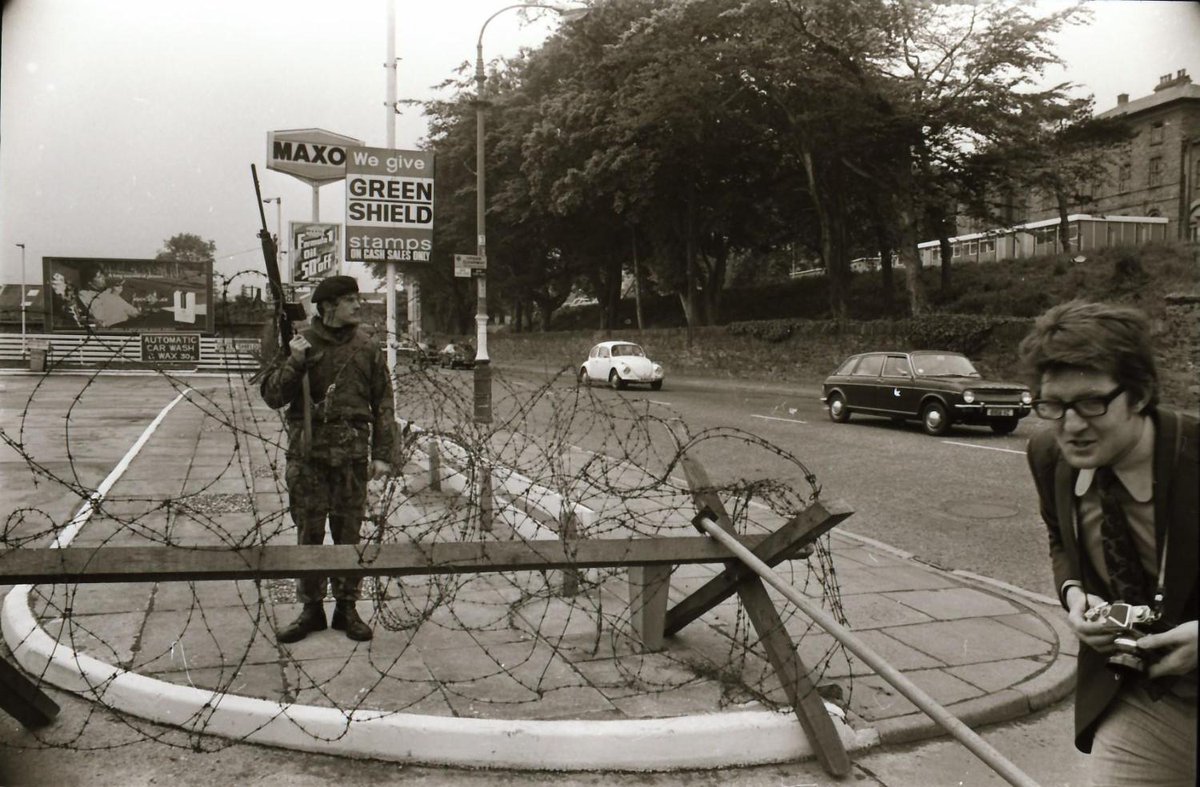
1134	622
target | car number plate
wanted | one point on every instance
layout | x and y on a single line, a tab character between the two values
1001	411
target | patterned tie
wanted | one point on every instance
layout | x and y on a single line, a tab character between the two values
1126	577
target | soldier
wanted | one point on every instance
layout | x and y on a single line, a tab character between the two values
351	440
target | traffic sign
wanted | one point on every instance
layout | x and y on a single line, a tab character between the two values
465	265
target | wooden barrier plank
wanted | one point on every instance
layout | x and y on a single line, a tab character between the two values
167	564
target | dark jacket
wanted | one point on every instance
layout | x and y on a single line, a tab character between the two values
352	409
1176	522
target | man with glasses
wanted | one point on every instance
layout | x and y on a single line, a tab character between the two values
351	441
1116	475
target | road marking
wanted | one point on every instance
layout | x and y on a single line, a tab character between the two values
655	401
773	418
985	447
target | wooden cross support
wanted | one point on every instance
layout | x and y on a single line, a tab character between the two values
22	699
799	532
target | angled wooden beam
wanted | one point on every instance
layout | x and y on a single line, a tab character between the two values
23	700
796	534
807	704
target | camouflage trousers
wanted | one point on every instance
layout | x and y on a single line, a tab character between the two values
317	491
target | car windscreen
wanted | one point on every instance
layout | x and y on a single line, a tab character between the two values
943	365
628	349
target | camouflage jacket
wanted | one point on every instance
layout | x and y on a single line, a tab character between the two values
352	413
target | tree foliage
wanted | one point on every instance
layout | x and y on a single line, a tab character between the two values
187	247
712	137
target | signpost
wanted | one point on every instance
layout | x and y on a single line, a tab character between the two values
389	205
465	265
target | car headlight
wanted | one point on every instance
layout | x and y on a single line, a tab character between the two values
624	369
1026	397
658	370
968	396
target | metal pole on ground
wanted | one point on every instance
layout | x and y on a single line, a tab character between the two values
968	737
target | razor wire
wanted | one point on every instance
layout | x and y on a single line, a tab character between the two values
212	477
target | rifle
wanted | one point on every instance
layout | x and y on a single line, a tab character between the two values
285	312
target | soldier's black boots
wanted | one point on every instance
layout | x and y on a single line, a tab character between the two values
345	618
312	618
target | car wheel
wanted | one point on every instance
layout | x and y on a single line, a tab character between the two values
583	376
656	385
1004	425
839	413
935	419
614	381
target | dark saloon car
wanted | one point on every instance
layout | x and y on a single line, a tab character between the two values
413	353
939	388
457	356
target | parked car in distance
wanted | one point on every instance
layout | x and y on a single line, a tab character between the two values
939	388
458	355
620	364
415	353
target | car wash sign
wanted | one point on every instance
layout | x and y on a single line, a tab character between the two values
389	205
311	154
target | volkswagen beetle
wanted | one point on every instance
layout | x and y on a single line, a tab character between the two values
619	364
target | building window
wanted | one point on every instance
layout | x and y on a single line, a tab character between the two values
987	246
1124	175
1156	133
1043	235
1156	171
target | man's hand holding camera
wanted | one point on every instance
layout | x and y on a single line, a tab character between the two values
1097	634
1174	650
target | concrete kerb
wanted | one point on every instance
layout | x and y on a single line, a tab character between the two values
713	740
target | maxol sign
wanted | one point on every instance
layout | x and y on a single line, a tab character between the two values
310	154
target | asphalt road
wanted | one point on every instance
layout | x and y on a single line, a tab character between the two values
962	501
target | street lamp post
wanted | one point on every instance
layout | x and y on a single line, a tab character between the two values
483	367
24	342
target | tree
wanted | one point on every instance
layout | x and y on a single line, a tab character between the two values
186	247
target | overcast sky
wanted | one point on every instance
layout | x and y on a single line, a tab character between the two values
125	122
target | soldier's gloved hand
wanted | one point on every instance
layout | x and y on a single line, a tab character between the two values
380	469
299	346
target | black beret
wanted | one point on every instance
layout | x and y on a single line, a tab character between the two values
334	287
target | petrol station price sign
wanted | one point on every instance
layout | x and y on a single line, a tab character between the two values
389	205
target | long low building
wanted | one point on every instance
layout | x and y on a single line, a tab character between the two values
1037	238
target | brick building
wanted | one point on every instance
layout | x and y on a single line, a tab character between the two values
1158	173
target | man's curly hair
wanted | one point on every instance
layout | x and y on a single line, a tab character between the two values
1098	337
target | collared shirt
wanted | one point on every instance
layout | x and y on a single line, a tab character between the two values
1135	471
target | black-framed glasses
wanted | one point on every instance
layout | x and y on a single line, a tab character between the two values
1085	407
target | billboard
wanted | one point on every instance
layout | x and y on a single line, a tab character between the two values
316	250
389	205
127	296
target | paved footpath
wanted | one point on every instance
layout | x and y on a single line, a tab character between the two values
504	647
